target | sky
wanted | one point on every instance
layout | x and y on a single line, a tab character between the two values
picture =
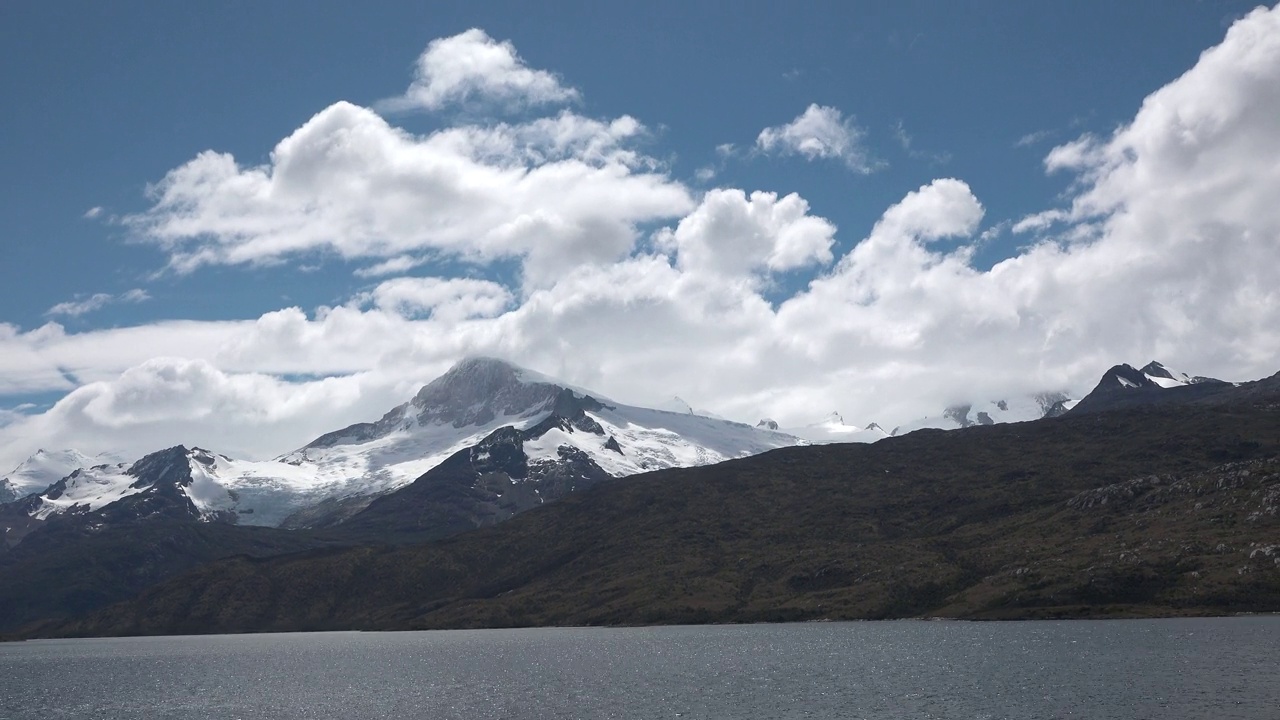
241	225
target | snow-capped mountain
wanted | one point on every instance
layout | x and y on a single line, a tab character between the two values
1015	409
481	395
45	468
1123	385
167	484
1166	378
344	470
834	429
831	429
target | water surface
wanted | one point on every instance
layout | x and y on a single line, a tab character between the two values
1183	668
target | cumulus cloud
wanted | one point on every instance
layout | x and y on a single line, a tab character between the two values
553	193
97	301
1164	248
730	233
93	212
472	67
820	132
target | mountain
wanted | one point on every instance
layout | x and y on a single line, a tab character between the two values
508	472
45	468
562	440
1132	512
833	429
103	533
487	440
1011	410
166	484
341	472
478	397
1124	386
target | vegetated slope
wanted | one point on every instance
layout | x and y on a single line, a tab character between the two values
71	567
1142	511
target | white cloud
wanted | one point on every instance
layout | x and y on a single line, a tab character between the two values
97	301
441	299
1033	138
393	266
554	193
93	212
1166	248
75	308
819	132
732	234
169	401
472	67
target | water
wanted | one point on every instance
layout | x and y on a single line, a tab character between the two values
1185	668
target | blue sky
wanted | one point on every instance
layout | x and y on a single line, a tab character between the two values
106	99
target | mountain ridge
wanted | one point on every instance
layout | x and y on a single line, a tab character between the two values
1144	510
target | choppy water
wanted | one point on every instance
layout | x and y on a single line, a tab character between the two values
1202	668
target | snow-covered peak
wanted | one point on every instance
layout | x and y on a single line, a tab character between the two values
86	489
1124	385
835	418
833	429
46	467
473	394
1166	378
624	440
180	482
477	390
992	412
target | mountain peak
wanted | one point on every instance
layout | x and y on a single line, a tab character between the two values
479	389
1157	369
1123	385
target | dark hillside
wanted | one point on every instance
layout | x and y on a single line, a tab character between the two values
71	567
